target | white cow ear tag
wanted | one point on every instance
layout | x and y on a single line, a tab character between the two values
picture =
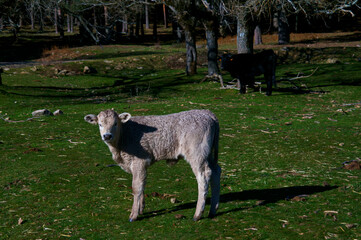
124	117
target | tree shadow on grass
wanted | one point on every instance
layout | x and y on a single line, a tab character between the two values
355	36
126	85
266	196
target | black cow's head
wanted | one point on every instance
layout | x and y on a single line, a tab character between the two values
225	61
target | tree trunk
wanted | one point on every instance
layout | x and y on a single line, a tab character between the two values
137	25
283	28
118	31
1	24
1	81
177	32
32	18
155	33
257	35
85	28
71	23
60	22
125	25
41	20
131	30
146	14
244	35
141	26
56	20
15	31
68	23
191	49
212	28
106	15
165	16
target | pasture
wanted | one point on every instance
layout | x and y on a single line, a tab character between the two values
281	156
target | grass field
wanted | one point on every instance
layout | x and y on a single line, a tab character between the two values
281	156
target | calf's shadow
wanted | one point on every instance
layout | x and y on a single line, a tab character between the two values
266	196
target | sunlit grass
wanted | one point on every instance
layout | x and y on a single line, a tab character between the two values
281	156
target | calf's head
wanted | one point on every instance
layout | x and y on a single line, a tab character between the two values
109	123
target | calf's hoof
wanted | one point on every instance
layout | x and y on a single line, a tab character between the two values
132	219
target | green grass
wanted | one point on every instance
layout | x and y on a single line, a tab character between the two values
54	175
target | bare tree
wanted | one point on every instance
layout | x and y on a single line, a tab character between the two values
30	8
248	12
11	12
146	13
185	13
211	17
257	35
283	26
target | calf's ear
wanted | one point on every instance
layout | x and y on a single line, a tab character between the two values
124	117
91	118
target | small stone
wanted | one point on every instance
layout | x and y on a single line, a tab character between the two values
332	61
88	70
58	112
63	72
42	112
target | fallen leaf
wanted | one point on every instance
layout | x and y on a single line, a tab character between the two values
352	165
331	213
63	235
141	110
298	199
349	226
228	135
252	228
179	216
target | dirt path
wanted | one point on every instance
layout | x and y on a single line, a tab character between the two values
38	63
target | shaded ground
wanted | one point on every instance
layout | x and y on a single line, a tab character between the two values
29	51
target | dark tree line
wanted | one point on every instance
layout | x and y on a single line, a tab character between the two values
104	21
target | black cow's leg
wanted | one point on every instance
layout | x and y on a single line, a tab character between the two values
269	85
274	80
242	89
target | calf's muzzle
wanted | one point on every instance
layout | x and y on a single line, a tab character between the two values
107	137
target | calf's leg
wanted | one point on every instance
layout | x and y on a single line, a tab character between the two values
139	173
203	176
216	187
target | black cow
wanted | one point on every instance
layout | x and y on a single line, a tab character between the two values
246	66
